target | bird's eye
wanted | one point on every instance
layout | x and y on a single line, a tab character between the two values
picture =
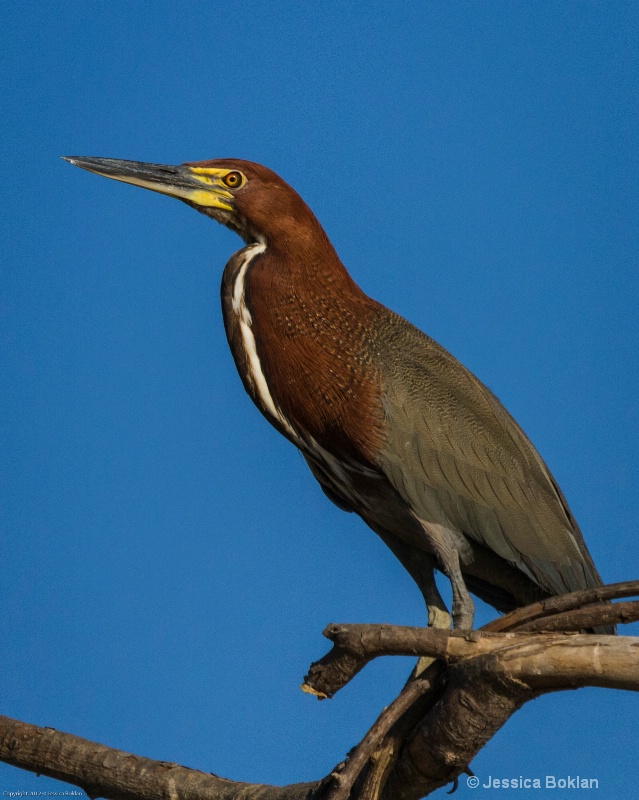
233	179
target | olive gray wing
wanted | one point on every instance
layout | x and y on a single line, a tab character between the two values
460	460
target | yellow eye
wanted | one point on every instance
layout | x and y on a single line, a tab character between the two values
233	180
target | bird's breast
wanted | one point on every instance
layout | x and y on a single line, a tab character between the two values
303	353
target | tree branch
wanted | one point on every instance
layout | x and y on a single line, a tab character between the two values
423	740
544	661
355	645
561	603
478	701
105	772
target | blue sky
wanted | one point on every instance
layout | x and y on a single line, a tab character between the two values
168	561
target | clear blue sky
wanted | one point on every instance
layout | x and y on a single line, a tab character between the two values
168	562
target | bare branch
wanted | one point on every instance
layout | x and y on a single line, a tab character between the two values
105	772
587	617
423	740
345	776
596	654
562	603
569	662
516	659
484	691
355	645
477	702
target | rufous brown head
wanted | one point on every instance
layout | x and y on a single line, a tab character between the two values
249	198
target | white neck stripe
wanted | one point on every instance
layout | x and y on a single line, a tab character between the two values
255	372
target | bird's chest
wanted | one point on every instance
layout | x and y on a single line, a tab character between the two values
301	356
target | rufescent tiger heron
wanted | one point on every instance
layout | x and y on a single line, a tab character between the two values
392	426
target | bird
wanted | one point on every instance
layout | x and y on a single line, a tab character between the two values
393	427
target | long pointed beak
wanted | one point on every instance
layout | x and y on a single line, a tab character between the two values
200	187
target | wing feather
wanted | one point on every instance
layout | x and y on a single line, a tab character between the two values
459	459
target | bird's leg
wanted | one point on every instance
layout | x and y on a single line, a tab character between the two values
463	605
447	543
420	566
438	616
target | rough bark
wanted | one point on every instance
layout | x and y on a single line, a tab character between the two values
105	772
